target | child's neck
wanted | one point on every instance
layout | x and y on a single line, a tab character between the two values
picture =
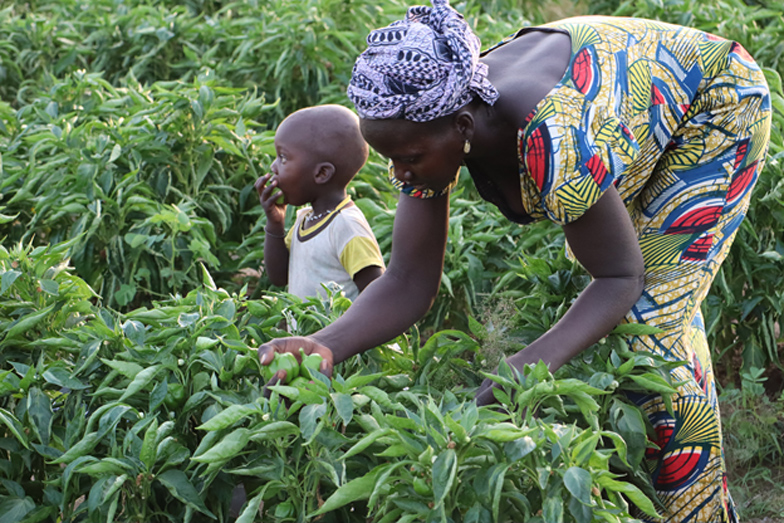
327	202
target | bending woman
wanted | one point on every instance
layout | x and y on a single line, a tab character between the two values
641	139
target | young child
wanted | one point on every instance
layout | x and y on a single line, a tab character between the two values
318	152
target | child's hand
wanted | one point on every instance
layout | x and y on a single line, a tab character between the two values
272	199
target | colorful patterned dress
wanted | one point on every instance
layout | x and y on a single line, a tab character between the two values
679	121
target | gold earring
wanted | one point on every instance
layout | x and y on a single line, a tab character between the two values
467	147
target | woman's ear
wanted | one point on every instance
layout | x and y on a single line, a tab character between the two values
324	172
464	123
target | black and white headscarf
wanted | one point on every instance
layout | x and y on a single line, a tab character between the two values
420	68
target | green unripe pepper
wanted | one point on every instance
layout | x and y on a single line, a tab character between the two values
299	382
280	200
282	361
175	395
421	487
311	364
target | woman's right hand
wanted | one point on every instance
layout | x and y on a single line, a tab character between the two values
267	188
293	345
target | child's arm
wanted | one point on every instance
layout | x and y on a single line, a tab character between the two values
360	256
276	254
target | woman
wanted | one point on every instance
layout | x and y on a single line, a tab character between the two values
641	139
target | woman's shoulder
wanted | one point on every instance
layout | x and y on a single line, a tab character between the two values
527	69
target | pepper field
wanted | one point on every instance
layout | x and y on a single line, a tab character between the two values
132	300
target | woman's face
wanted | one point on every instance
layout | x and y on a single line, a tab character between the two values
425	155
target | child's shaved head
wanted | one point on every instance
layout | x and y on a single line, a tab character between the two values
331	134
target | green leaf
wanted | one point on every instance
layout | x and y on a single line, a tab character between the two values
502	432
39	409
354	490
13	510
227	309
140	381
62	378
227	417
251	511
276	430
630	425
583	451
653	383
8	278
581	513
618	441
360	380
186	320
148	452
50	287
127	368
552	509
636	329
16	428
203	343
181	488
519	448
633	493
344	406
578	482
116	152
125	295
82	447
106	466
476	328
309	418
229	447
29	321
364	443
443	473
135	332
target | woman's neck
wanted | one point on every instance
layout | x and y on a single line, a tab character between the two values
495	135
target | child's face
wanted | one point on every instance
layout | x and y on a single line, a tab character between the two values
294	166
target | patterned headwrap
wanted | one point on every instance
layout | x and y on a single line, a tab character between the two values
420	68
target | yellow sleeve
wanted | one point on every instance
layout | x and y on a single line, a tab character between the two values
289	236
360	252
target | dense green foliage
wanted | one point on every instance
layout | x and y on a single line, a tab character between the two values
156	415
131	132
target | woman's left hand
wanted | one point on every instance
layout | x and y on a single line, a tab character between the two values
484	395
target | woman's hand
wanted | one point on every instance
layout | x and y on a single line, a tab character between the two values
485	396
293	345
271	199
604	242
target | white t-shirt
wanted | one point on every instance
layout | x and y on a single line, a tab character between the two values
334	249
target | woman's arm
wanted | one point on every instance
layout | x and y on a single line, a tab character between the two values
393	302
406	290
604	241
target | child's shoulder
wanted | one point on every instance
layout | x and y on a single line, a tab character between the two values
351	220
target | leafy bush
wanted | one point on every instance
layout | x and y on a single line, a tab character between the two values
157	414
149	181
130	136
